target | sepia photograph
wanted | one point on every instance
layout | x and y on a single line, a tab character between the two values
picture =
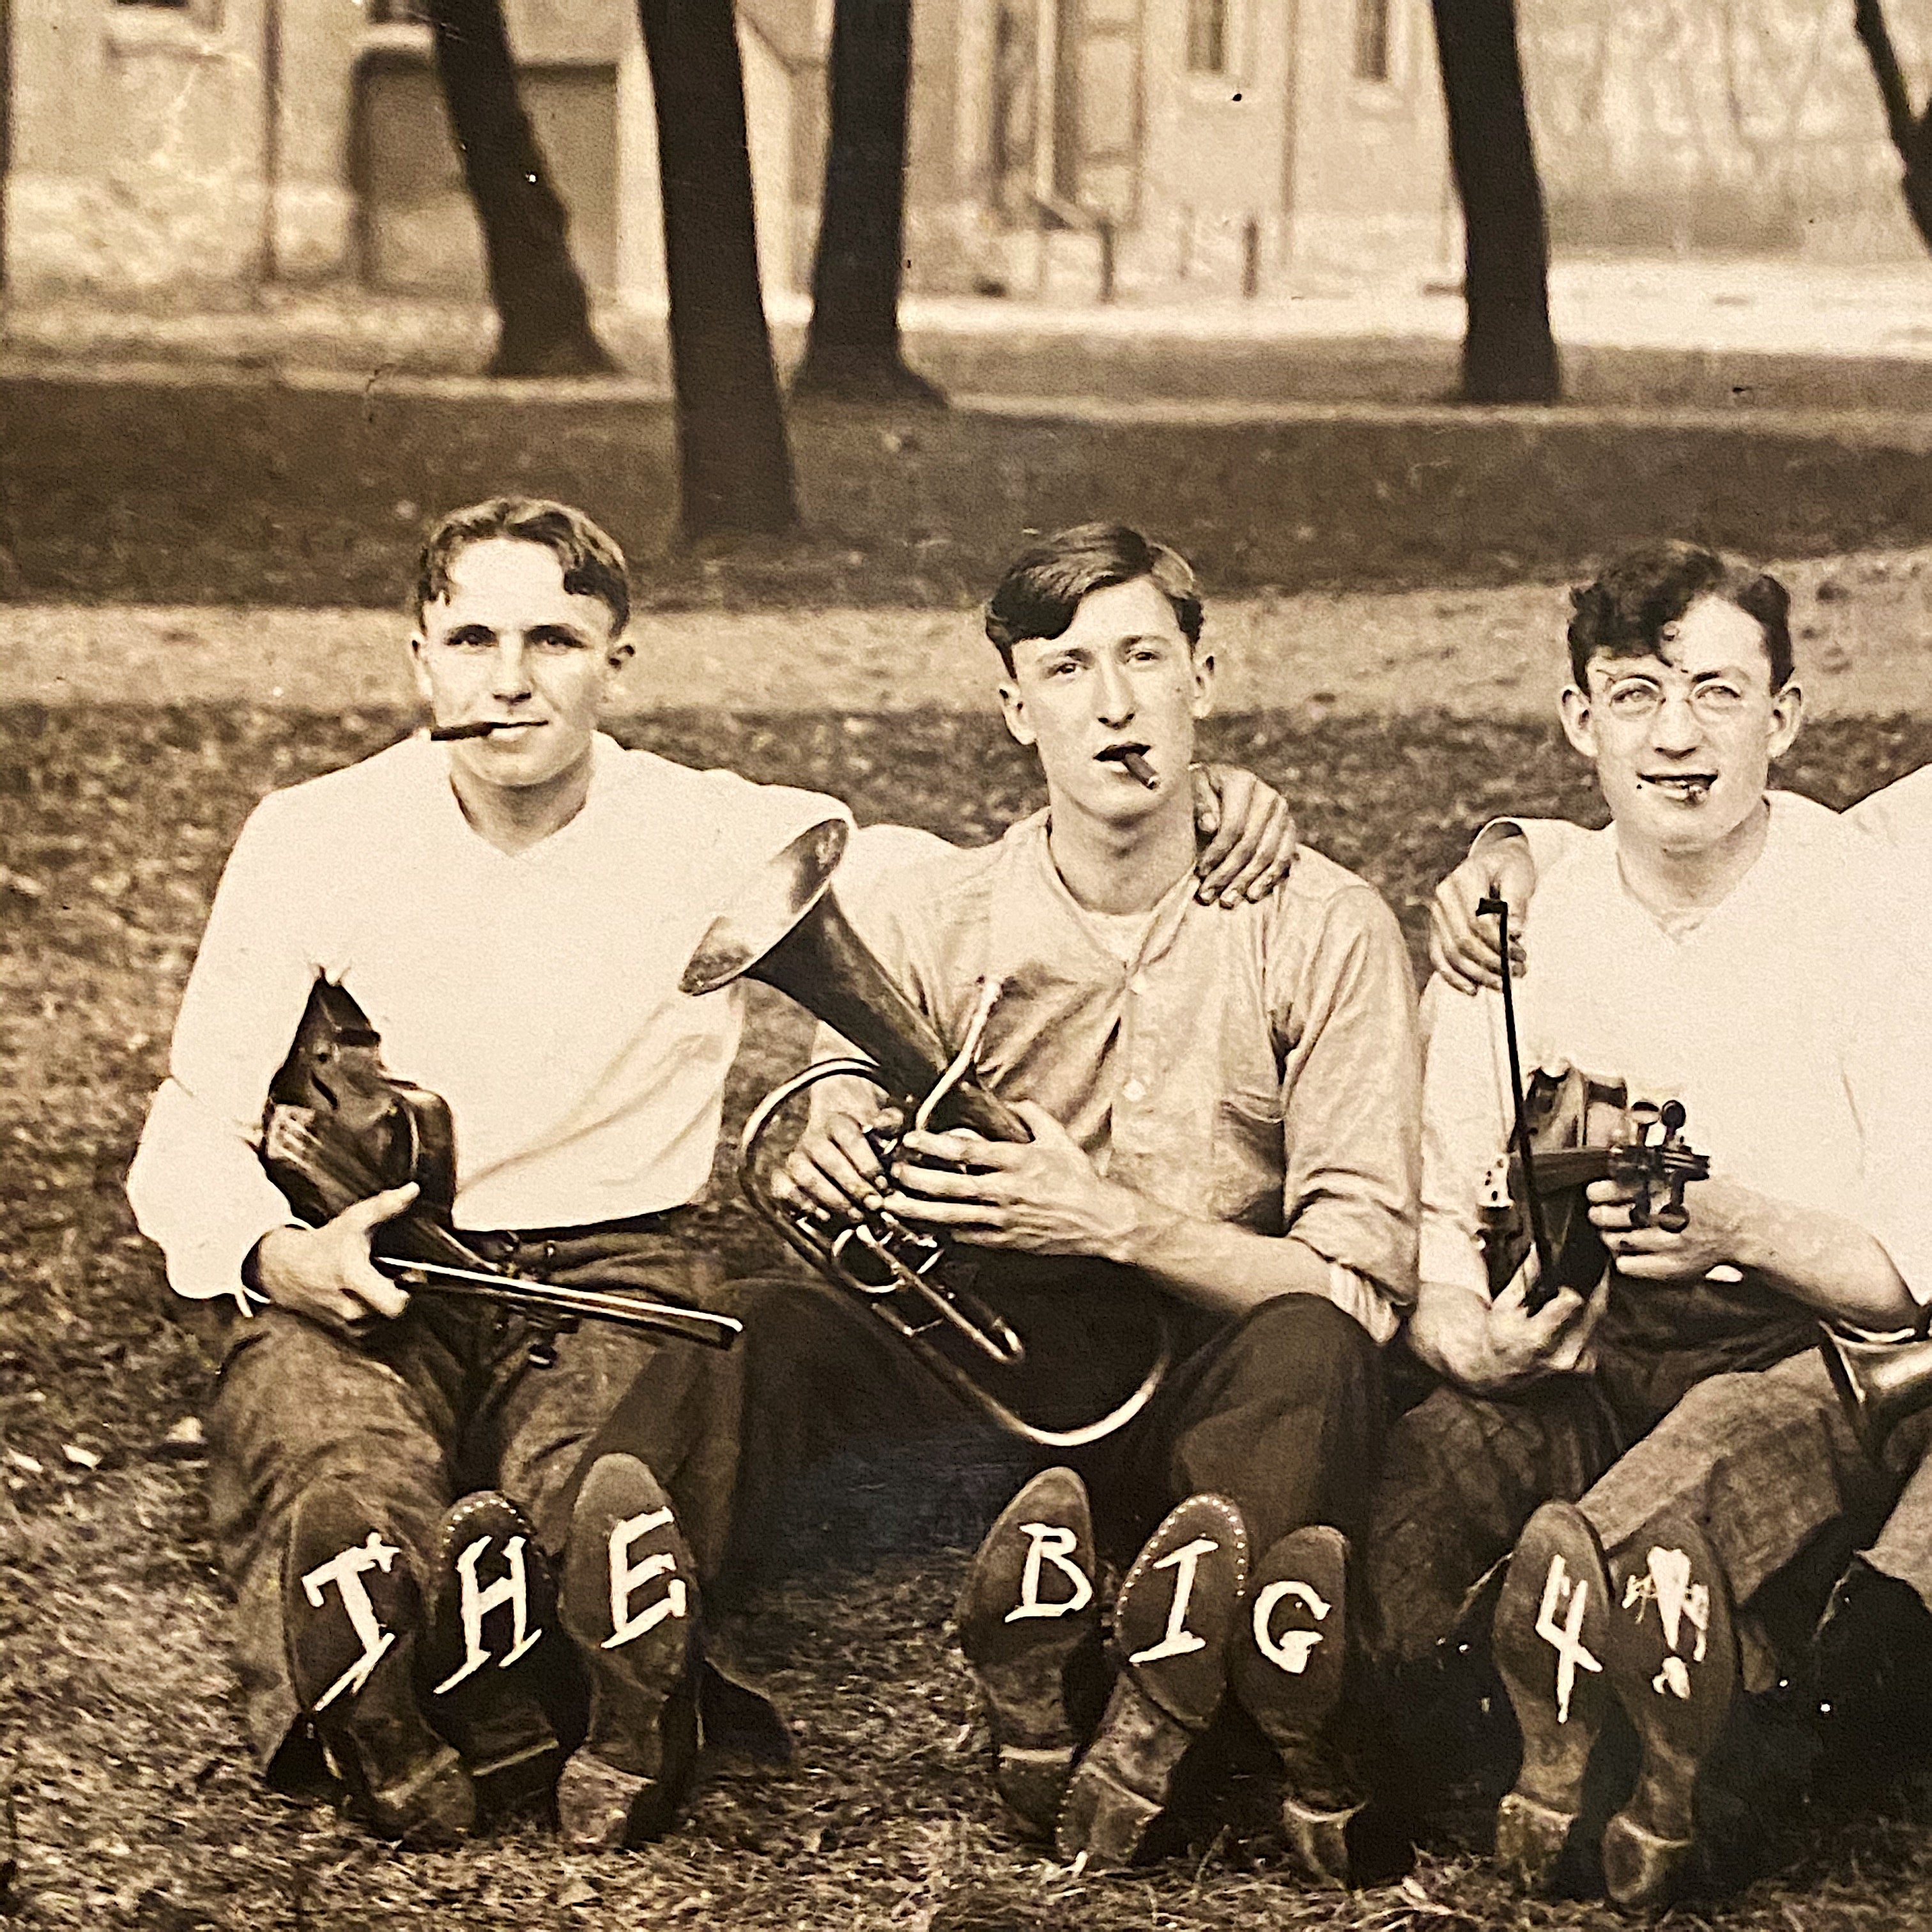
964	965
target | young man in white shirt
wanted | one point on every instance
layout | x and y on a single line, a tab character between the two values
512	910
1712	945
1872	1649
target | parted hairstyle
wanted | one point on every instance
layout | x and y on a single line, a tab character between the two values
593	565
1624	611
1043	586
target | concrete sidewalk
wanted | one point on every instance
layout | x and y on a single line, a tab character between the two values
1723	333
1864	626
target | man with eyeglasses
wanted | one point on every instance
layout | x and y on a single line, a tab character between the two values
1660	1441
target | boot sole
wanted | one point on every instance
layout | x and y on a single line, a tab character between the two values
1109	1805
1537	1627
1648	1845
623	1784
1022	1668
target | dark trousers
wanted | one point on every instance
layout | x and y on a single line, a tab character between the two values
1762	1458
1279	1411
1461	1475
439	1402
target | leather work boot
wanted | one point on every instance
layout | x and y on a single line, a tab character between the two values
1172	1623
1286	1668
1672	1659
1029	1620
629	1603
1551	1630
1874	1662
491	1640
352	1610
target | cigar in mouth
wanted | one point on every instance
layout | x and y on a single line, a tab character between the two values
1135	766
477	727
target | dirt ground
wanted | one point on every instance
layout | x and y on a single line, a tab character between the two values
135	1805
1863	624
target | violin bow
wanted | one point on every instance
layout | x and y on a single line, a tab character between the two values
1545	1290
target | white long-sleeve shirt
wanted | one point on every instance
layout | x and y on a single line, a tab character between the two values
1789	1020
537	993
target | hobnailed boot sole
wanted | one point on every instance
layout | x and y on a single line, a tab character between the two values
1122	1784
1028	1611
624	1558
1673	1666
484	1699
1551	1629
1172	1624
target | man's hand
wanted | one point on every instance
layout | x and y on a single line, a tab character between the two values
1038	1197
1516	1348
834	1171
325	1273
1463	946
1250	834
1721	1214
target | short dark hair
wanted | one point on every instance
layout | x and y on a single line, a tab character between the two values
593	565
1624	613
1043	586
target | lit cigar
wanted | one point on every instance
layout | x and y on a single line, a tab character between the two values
1135	766
478	727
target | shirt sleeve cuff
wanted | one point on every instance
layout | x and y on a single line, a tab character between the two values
213	1267
1357	1295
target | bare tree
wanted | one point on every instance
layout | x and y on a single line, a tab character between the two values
542	315
1911	132
1509	355
734	463
852	350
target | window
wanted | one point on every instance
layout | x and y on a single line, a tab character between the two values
398	13
1372	40
1208	36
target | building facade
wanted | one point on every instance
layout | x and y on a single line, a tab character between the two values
171	151
1693	126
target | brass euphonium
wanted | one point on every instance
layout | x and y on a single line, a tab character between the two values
787	930
1881	1384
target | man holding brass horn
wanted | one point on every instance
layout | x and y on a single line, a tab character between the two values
506	903
1659	1440
1189	1124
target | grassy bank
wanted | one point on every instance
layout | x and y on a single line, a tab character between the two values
137	1807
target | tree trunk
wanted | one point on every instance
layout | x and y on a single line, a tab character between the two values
734	464
1911	132
543	317
852	350
1508	353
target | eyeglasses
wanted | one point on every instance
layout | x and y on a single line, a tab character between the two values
1634	699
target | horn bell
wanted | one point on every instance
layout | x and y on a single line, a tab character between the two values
786	929
1881	1384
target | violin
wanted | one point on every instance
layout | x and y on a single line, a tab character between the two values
1579	1130
1569	1131
339	1127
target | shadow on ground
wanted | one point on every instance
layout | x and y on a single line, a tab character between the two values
229	490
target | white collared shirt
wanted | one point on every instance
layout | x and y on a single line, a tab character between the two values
537	993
